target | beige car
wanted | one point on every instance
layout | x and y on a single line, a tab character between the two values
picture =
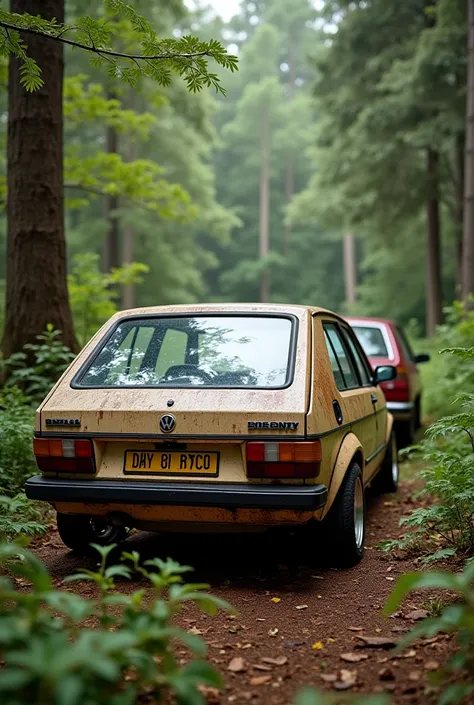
214	418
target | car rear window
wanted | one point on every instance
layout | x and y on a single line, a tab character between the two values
372	341
193	351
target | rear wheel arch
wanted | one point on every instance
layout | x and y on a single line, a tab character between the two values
350	452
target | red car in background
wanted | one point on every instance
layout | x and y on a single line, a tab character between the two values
385	343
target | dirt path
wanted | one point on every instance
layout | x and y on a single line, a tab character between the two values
295	623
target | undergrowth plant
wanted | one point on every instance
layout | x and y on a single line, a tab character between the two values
311	696
452	618
445	526
127	648
38	367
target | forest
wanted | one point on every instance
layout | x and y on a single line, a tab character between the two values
314	152
328	170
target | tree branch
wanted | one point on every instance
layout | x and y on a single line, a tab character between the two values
96	50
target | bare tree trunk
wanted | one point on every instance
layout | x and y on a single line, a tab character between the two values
433	287
264	202
459	206
112	239
350	268
128	295
290	159
36	249
468	222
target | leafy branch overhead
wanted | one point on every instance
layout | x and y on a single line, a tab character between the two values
157	59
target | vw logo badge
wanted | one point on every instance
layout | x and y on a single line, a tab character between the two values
167	423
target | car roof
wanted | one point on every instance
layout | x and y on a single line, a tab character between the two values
224	308
370	319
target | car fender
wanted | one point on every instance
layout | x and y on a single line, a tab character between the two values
389	428
350	448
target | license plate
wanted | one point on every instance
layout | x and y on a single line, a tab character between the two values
173	462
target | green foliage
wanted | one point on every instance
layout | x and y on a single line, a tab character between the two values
19	517
444	379
39	366
157	58
311	696
48	656
17	461
453	618
448	475
93	294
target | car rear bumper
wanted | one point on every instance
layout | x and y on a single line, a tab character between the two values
400	408
189	494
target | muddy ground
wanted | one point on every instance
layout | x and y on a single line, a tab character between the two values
297	624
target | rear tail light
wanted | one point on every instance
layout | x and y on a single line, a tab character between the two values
399	388
291	460
64	455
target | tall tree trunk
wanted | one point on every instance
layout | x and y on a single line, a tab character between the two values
264	201
290	157
112	239
434	314
128	294
468	222
36	249
459	209
350	268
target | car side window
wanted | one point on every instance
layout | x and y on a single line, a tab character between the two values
405	345
362	364
343	369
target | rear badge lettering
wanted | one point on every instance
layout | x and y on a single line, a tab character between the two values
63	422
273	425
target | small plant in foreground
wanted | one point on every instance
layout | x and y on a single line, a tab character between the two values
38	367
455	618
446	524
48	656
311	696
19	517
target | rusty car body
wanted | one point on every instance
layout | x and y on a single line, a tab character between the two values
214	418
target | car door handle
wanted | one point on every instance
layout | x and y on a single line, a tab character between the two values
373	398
337	411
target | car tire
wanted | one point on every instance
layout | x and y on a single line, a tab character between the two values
344	526
405	431
77	532
418	423
386	480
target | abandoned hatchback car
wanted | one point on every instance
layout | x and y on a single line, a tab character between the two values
216	417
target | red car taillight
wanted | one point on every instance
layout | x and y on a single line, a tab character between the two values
399	389
299	460
64	455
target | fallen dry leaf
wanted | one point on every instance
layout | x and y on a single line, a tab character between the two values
329	677
347	679
276	600
351	657
237	665
318	645
278	661
431	666
273	631
301	607
356	629
260	680
414	676
416	615
409	654
195	630
378	630
330	641
260	619
386	674
376	642
261	667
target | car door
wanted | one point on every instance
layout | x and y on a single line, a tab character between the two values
410	364
377	396
356	392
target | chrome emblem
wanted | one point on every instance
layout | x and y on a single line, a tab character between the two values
167	423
